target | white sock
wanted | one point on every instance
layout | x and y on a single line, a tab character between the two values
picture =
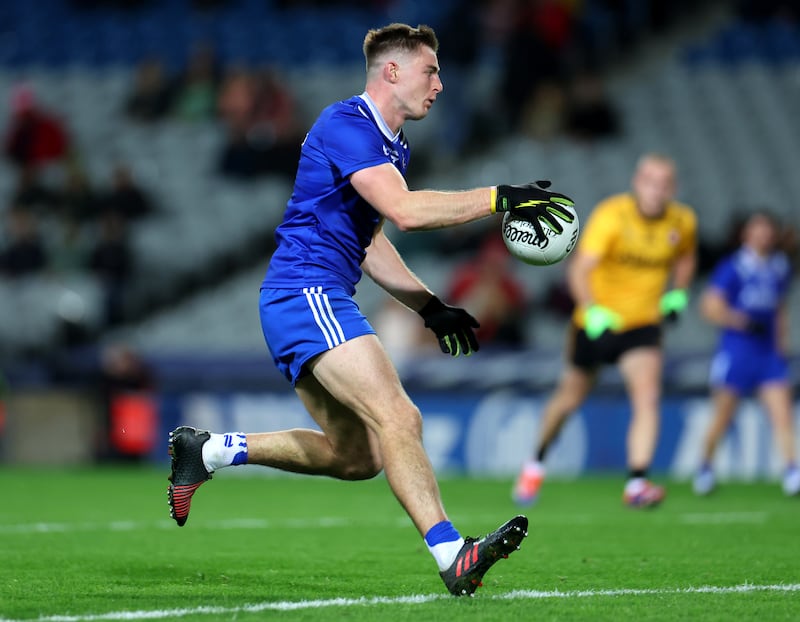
533	467
445	552
635	485
223	450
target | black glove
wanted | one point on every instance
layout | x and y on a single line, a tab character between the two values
756	327
453	327
534	202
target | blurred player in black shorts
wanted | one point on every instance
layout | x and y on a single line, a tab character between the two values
631	270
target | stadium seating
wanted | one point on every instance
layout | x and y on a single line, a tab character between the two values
724	107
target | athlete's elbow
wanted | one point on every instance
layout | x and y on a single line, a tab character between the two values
407	222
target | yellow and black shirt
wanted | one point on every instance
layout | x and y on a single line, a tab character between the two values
636	256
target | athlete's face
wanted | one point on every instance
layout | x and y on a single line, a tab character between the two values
654	186
418	82
760	234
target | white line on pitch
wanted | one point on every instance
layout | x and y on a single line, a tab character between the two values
400	600
724	518
320	522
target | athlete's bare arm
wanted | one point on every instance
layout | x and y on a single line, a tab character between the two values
386	190
715	309
683	270
384	265
578	271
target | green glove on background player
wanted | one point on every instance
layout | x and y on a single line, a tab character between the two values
673	303
598	319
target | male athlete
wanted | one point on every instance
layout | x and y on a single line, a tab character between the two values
349	181
746	299
631	246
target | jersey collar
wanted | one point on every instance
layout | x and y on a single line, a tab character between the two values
750	259
376	115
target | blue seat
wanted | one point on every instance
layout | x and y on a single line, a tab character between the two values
738	43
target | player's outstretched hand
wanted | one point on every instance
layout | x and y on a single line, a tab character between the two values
535	202
454	327
673	303
756	327
598	319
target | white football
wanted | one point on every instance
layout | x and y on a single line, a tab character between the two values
523	243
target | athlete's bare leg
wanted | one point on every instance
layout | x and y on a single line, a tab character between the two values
724	402
573	387
777	400
641	370
360	377
346	448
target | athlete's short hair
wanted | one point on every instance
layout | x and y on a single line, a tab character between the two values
765	213
660	158
397	36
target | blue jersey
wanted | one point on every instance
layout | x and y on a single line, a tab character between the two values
327	226
756	287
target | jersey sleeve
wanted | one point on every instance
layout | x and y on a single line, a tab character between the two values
724	279
600	230
688	240
352	143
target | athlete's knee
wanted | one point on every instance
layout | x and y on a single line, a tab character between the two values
360	466
408	423
400	422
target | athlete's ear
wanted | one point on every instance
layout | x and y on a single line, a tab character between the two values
390	71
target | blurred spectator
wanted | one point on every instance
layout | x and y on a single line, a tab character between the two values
78	201
24	252
236	100
125	386
590	114
111	260
543	114
258	113
275	126
535	52
31	193
460	42
125	197
235	105
151	94
34	137
558	299
68	250
489	290
196	90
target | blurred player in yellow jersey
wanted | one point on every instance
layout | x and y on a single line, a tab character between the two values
631	272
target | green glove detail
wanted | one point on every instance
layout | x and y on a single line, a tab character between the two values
598	319
673	303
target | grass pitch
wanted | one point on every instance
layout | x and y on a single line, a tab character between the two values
92	545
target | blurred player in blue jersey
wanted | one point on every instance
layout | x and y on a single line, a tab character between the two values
746	298
350	179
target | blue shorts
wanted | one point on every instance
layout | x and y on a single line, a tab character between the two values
745	371
299	324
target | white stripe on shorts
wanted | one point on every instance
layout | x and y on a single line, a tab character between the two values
323	315
720	366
